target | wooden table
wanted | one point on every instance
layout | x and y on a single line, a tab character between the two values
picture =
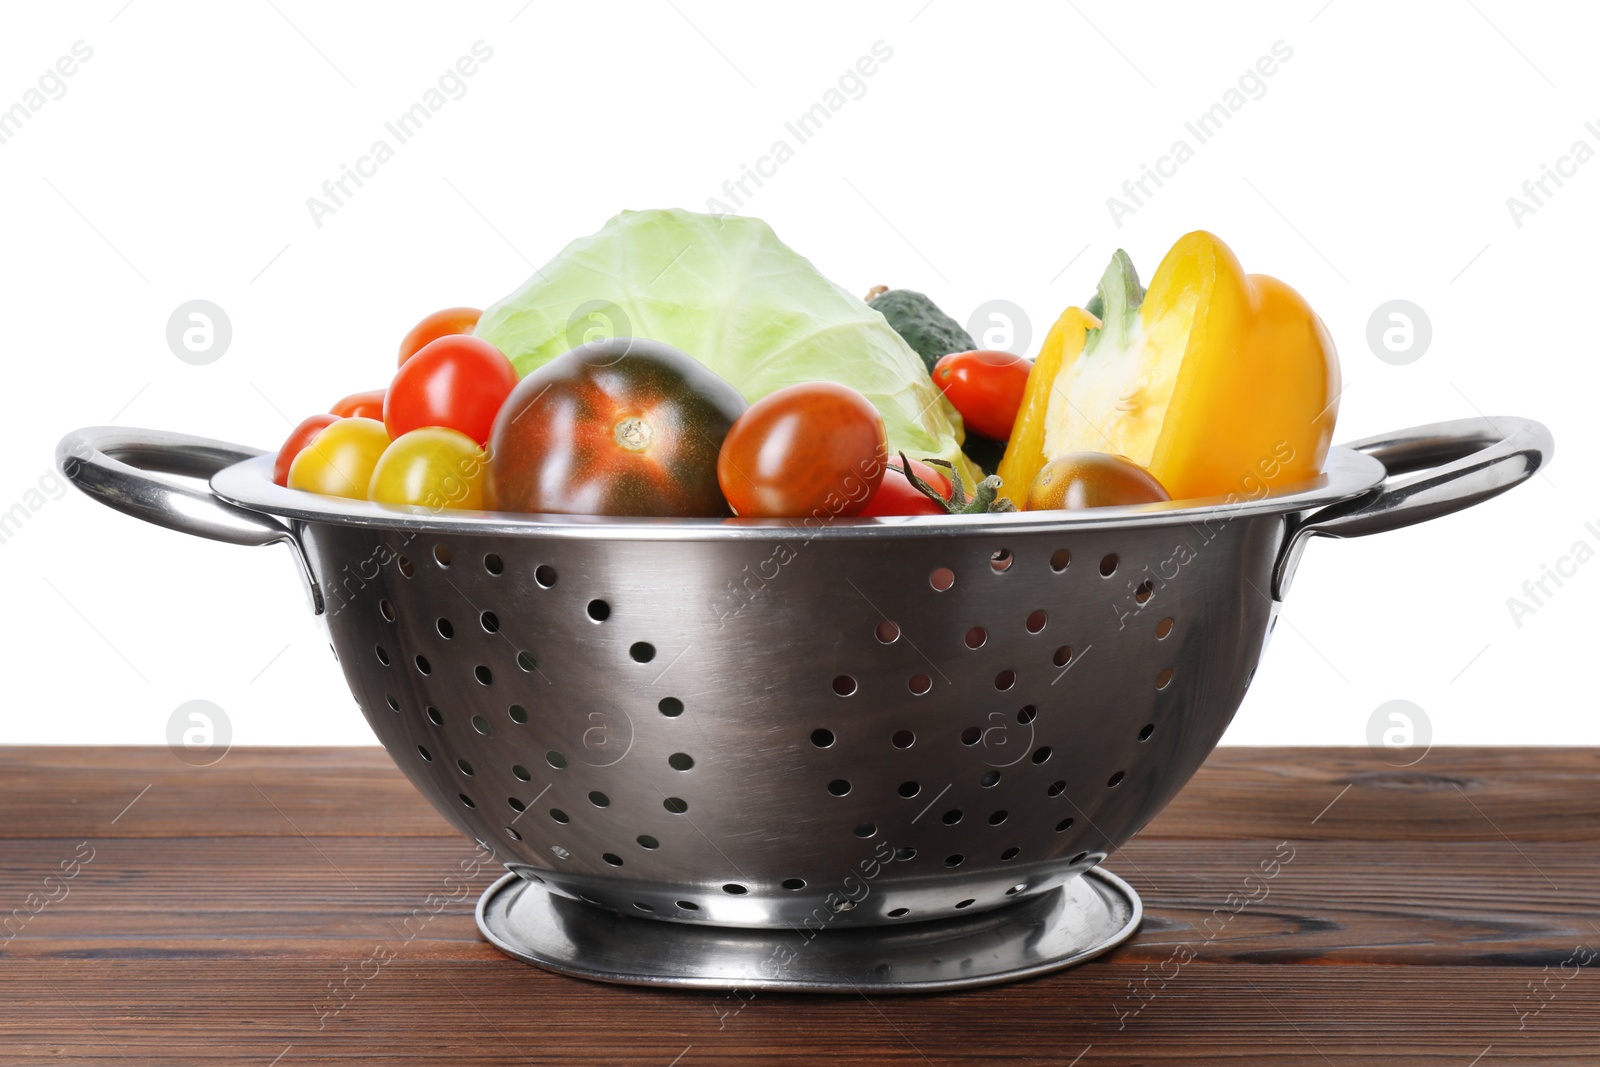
256	912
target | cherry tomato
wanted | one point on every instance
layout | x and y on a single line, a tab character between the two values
297	440
816	449
338	461
617	427
986	387
897	496
367	405
1092	480
439	324
432	468
456	381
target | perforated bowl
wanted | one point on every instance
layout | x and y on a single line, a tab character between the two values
866	725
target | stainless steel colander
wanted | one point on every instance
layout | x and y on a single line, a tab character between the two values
879	754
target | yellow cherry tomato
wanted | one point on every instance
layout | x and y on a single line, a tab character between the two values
434	467
338	461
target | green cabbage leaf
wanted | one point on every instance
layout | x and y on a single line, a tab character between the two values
725	290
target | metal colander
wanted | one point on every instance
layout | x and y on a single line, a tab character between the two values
887	724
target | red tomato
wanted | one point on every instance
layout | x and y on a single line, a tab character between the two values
457	381
298	439
986	387
367	405
897	496
617	427
810	450
439	324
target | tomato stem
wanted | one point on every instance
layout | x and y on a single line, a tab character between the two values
985	498
633	433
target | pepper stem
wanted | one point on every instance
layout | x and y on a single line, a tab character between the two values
1115	303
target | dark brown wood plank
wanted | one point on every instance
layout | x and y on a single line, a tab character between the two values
1466	794
1430	914
1333	902
58	791
499	1012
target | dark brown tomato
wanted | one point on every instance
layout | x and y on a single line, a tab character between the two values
816	449
1092	480
623	427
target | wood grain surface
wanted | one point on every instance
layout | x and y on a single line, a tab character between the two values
1444	914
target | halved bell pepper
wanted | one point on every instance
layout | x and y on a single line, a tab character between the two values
1215	381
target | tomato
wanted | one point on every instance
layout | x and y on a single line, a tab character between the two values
623	426
813	449
986	387
1092	480
339	460
297	440
456	381
897	496
433	467
439	324
367	405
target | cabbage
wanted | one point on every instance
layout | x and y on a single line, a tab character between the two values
724	289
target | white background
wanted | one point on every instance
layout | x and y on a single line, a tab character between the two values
977	165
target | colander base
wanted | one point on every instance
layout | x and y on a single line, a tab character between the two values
1084	918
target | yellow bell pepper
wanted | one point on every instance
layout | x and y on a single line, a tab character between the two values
1215	381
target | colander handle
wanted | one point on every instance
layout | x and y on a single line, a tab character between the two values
1453	465
113	464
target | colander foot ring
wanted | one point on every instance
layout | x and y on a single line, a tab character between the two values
1081	919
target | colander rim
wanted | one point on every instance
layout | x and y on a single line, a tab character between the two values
248	484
